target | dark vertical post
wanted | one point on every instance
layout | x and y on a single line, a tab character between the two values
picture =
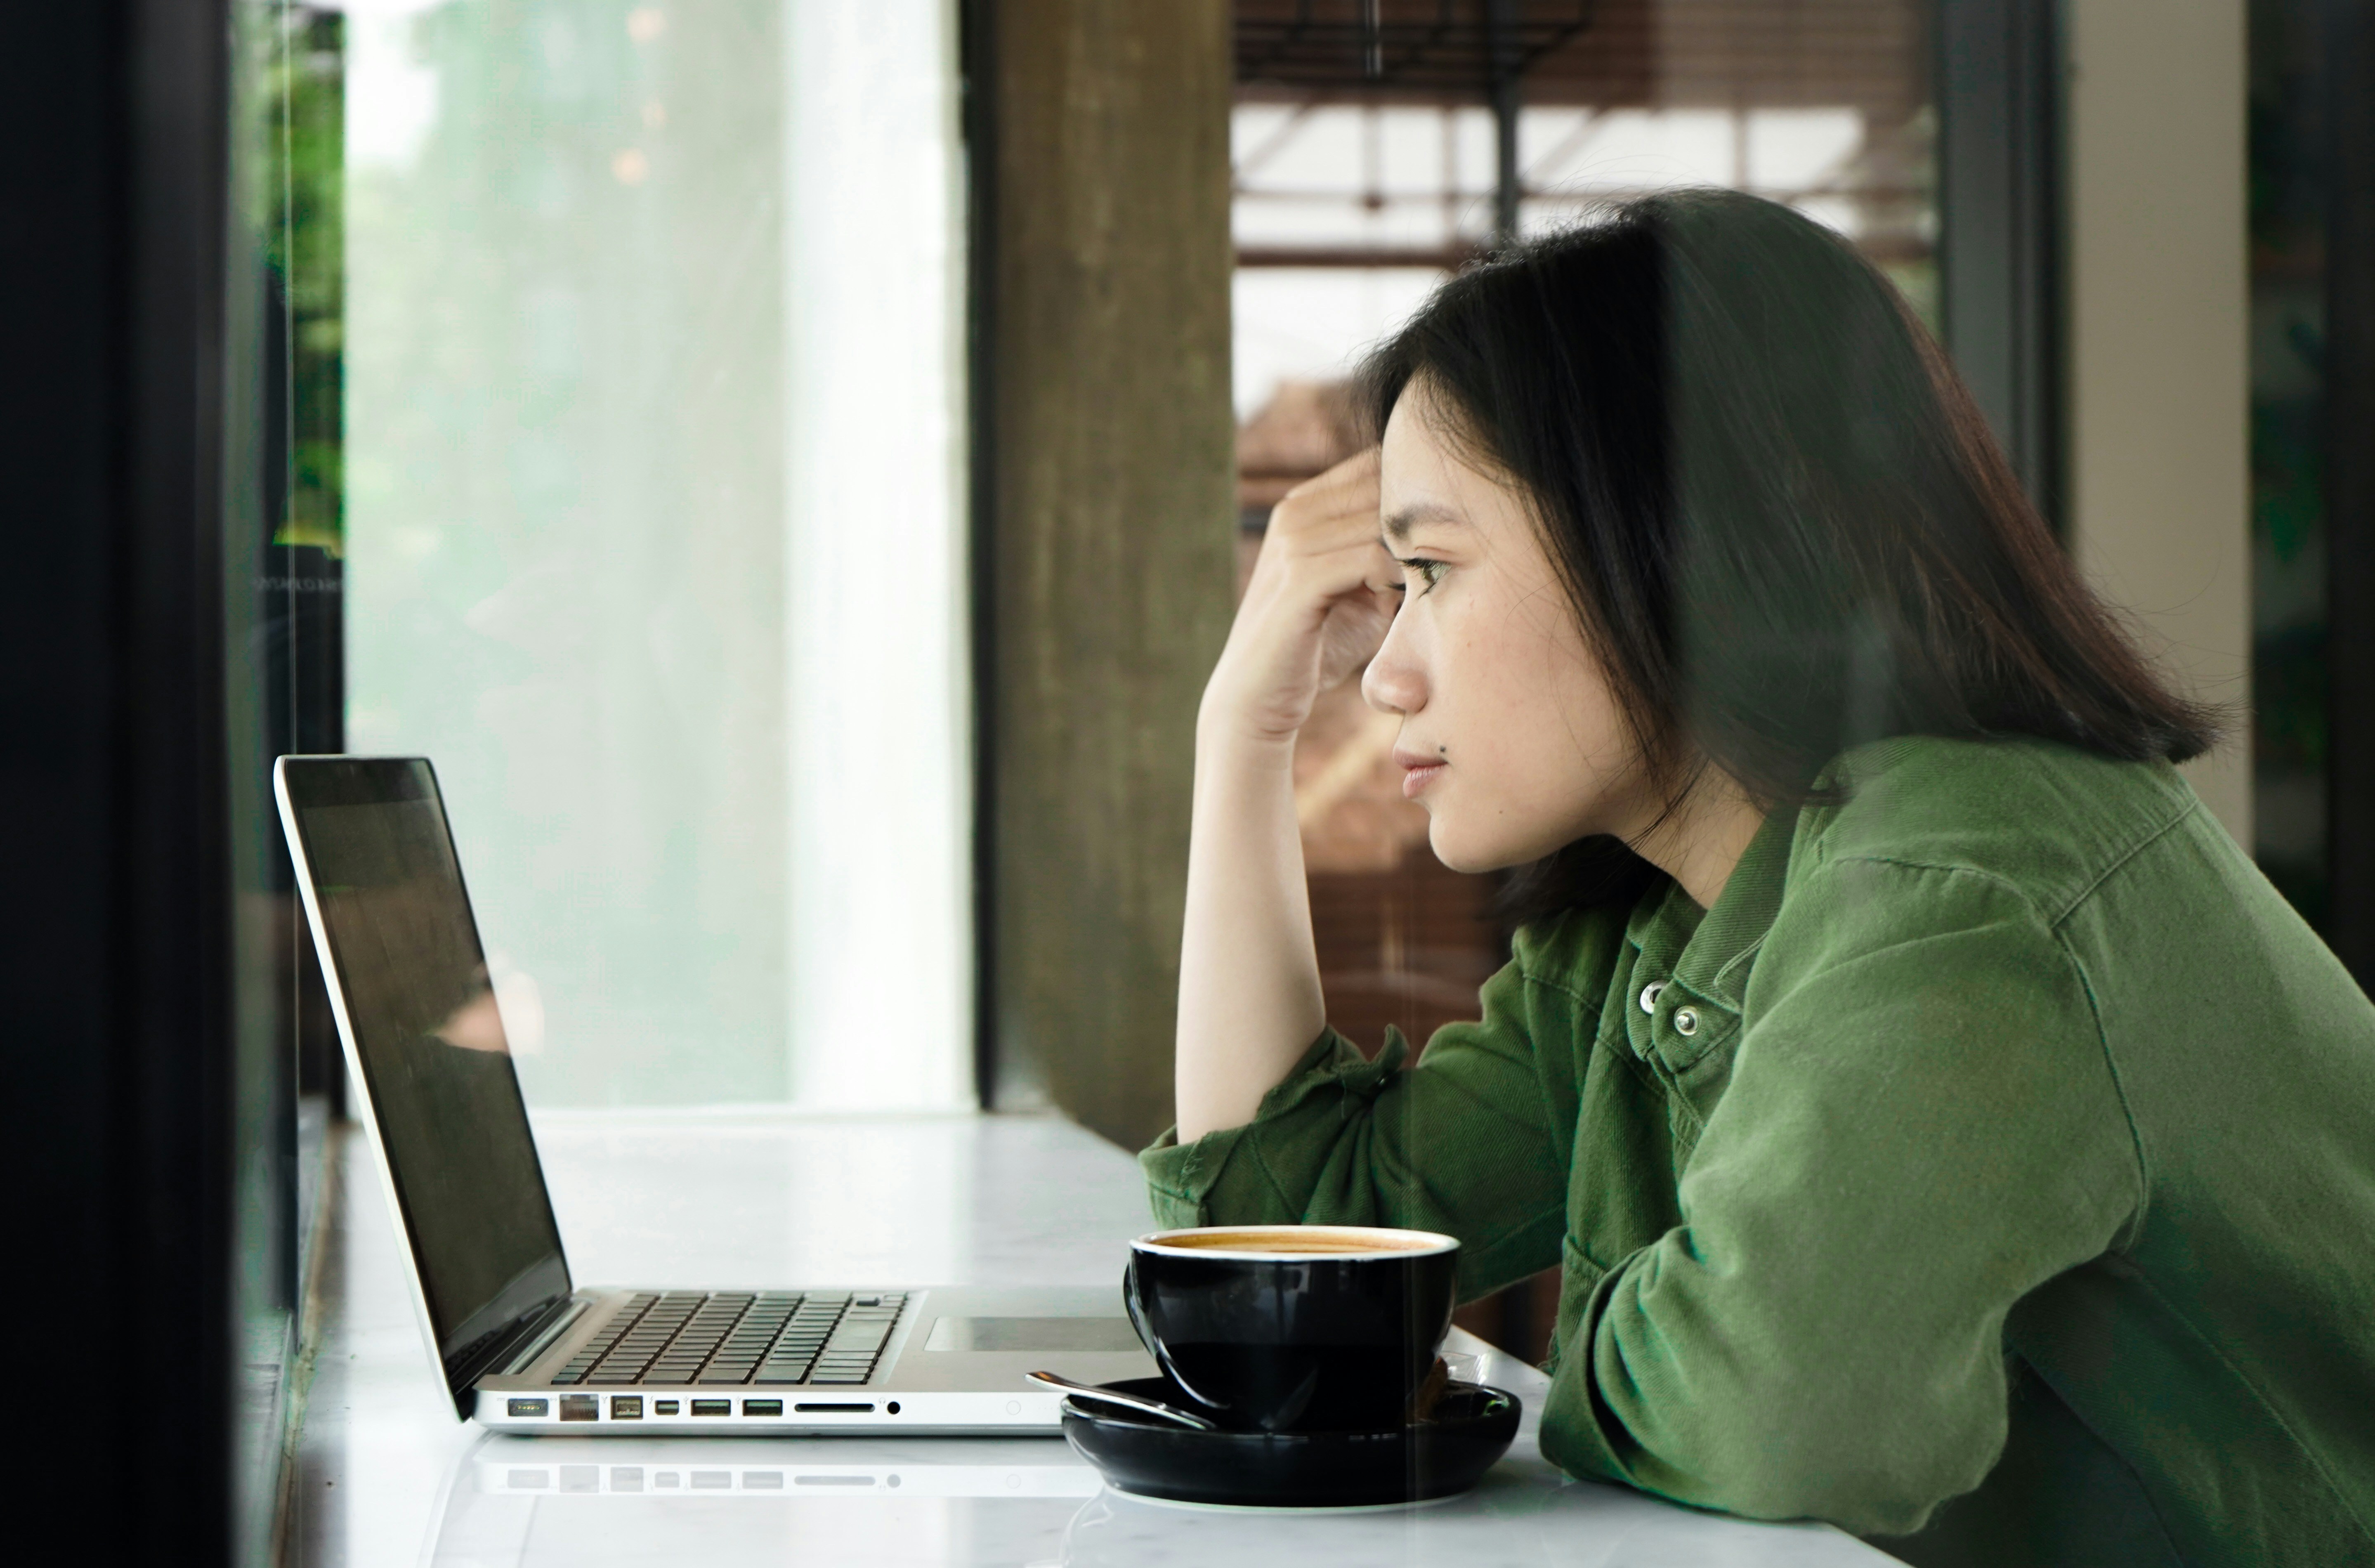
300	619
977	65
116	953
1501	85
1999	207
300	603
2349	46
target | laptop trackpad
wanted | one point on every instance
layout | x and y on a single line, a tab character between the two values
1031	1334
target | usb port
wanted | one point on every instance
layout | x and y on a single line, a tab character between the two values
626	1407
530	1408
663	1407
713	1407
580	1408
763	1407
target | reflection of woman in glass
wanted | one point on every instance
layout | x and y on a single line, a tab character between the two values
1944	1128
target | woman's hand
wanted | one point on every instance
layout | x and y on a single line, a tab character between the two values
1320	603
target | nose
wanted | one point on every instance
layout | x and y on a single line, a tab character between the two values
1393	682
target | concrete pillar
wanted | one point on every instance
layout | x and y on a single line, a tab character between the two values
1106	537
2159	390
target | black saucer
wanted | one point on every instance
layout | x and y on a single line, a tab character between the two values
1472	1427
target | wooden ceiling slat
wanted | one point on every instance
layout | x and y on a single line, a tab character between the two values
1869	54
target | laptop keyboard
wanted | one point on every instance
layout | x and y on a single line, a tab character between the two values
737	1337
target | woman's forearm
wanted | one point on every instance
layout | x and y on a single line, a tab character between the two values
1312	614
1249	998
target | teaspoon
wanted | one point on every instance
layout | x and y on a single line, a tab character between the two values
1128	1401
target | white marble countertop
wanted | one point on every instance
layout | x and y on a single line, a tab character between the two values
386	1476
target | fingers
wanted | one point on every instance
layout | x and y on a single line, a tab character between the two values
1350	638
1325	531
1331	507
1356	473
1312	609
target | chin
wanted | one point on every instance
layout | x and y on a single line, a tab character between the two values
1461	854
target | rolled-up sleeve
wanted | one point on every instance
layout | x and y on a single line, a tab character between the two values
1257	1174
1921	1128
1474	1140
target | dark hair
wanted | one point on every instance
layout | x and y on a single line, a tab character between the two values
1782	521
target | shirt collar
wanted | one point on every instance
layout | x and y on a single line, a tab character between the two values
1709	952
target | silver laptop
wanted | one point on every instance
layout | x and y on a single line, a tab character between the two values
522	1347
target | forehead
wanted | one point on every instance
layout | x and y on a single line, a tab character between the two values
1416	415
1412	455
1423	474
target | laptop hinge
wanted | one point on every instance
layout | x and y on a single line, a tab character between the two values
538	1342
473	1363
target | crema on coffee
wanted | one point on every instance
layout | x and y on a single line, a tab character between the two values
1300	1241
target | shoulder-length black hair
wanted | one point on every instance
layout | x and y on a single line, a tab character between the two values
1782	521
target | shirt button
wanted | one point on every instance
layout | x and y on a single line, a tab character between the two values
1650	995
1686	1020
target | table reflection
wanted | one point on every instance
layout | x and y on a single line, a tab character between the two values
517	1501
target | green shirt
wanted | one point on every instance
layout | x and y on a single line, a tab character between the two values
1990	1172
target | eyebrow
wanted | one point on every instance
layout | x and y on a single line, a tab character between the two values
1397	526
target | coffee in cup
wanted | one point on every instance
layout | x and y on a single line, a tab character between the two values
1286	1327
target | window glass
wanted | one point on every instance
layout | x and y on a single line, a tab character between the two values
655	517
281	622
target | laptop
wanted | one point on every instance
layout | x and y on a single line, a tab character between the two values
522	1347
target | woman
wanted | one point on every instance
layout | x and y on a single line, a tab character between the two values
1944	1130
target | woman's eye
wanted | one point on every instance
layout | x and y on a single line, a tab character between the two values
1428	572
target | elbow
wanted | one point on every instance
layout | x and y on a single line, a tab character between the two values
1879	1465
1870	1478
1720	1422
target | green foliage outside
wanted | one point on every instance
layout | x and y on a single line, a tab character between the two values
304	225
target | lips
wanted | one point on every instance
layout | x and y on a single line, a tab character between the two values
1419	769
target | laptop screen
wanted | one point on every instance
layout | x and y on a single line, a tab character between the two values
404	955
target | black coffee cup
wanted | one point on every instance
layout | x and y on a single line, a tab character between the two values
1294	1327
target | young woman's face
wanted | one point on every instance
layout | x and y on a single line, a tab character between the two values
1510	736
